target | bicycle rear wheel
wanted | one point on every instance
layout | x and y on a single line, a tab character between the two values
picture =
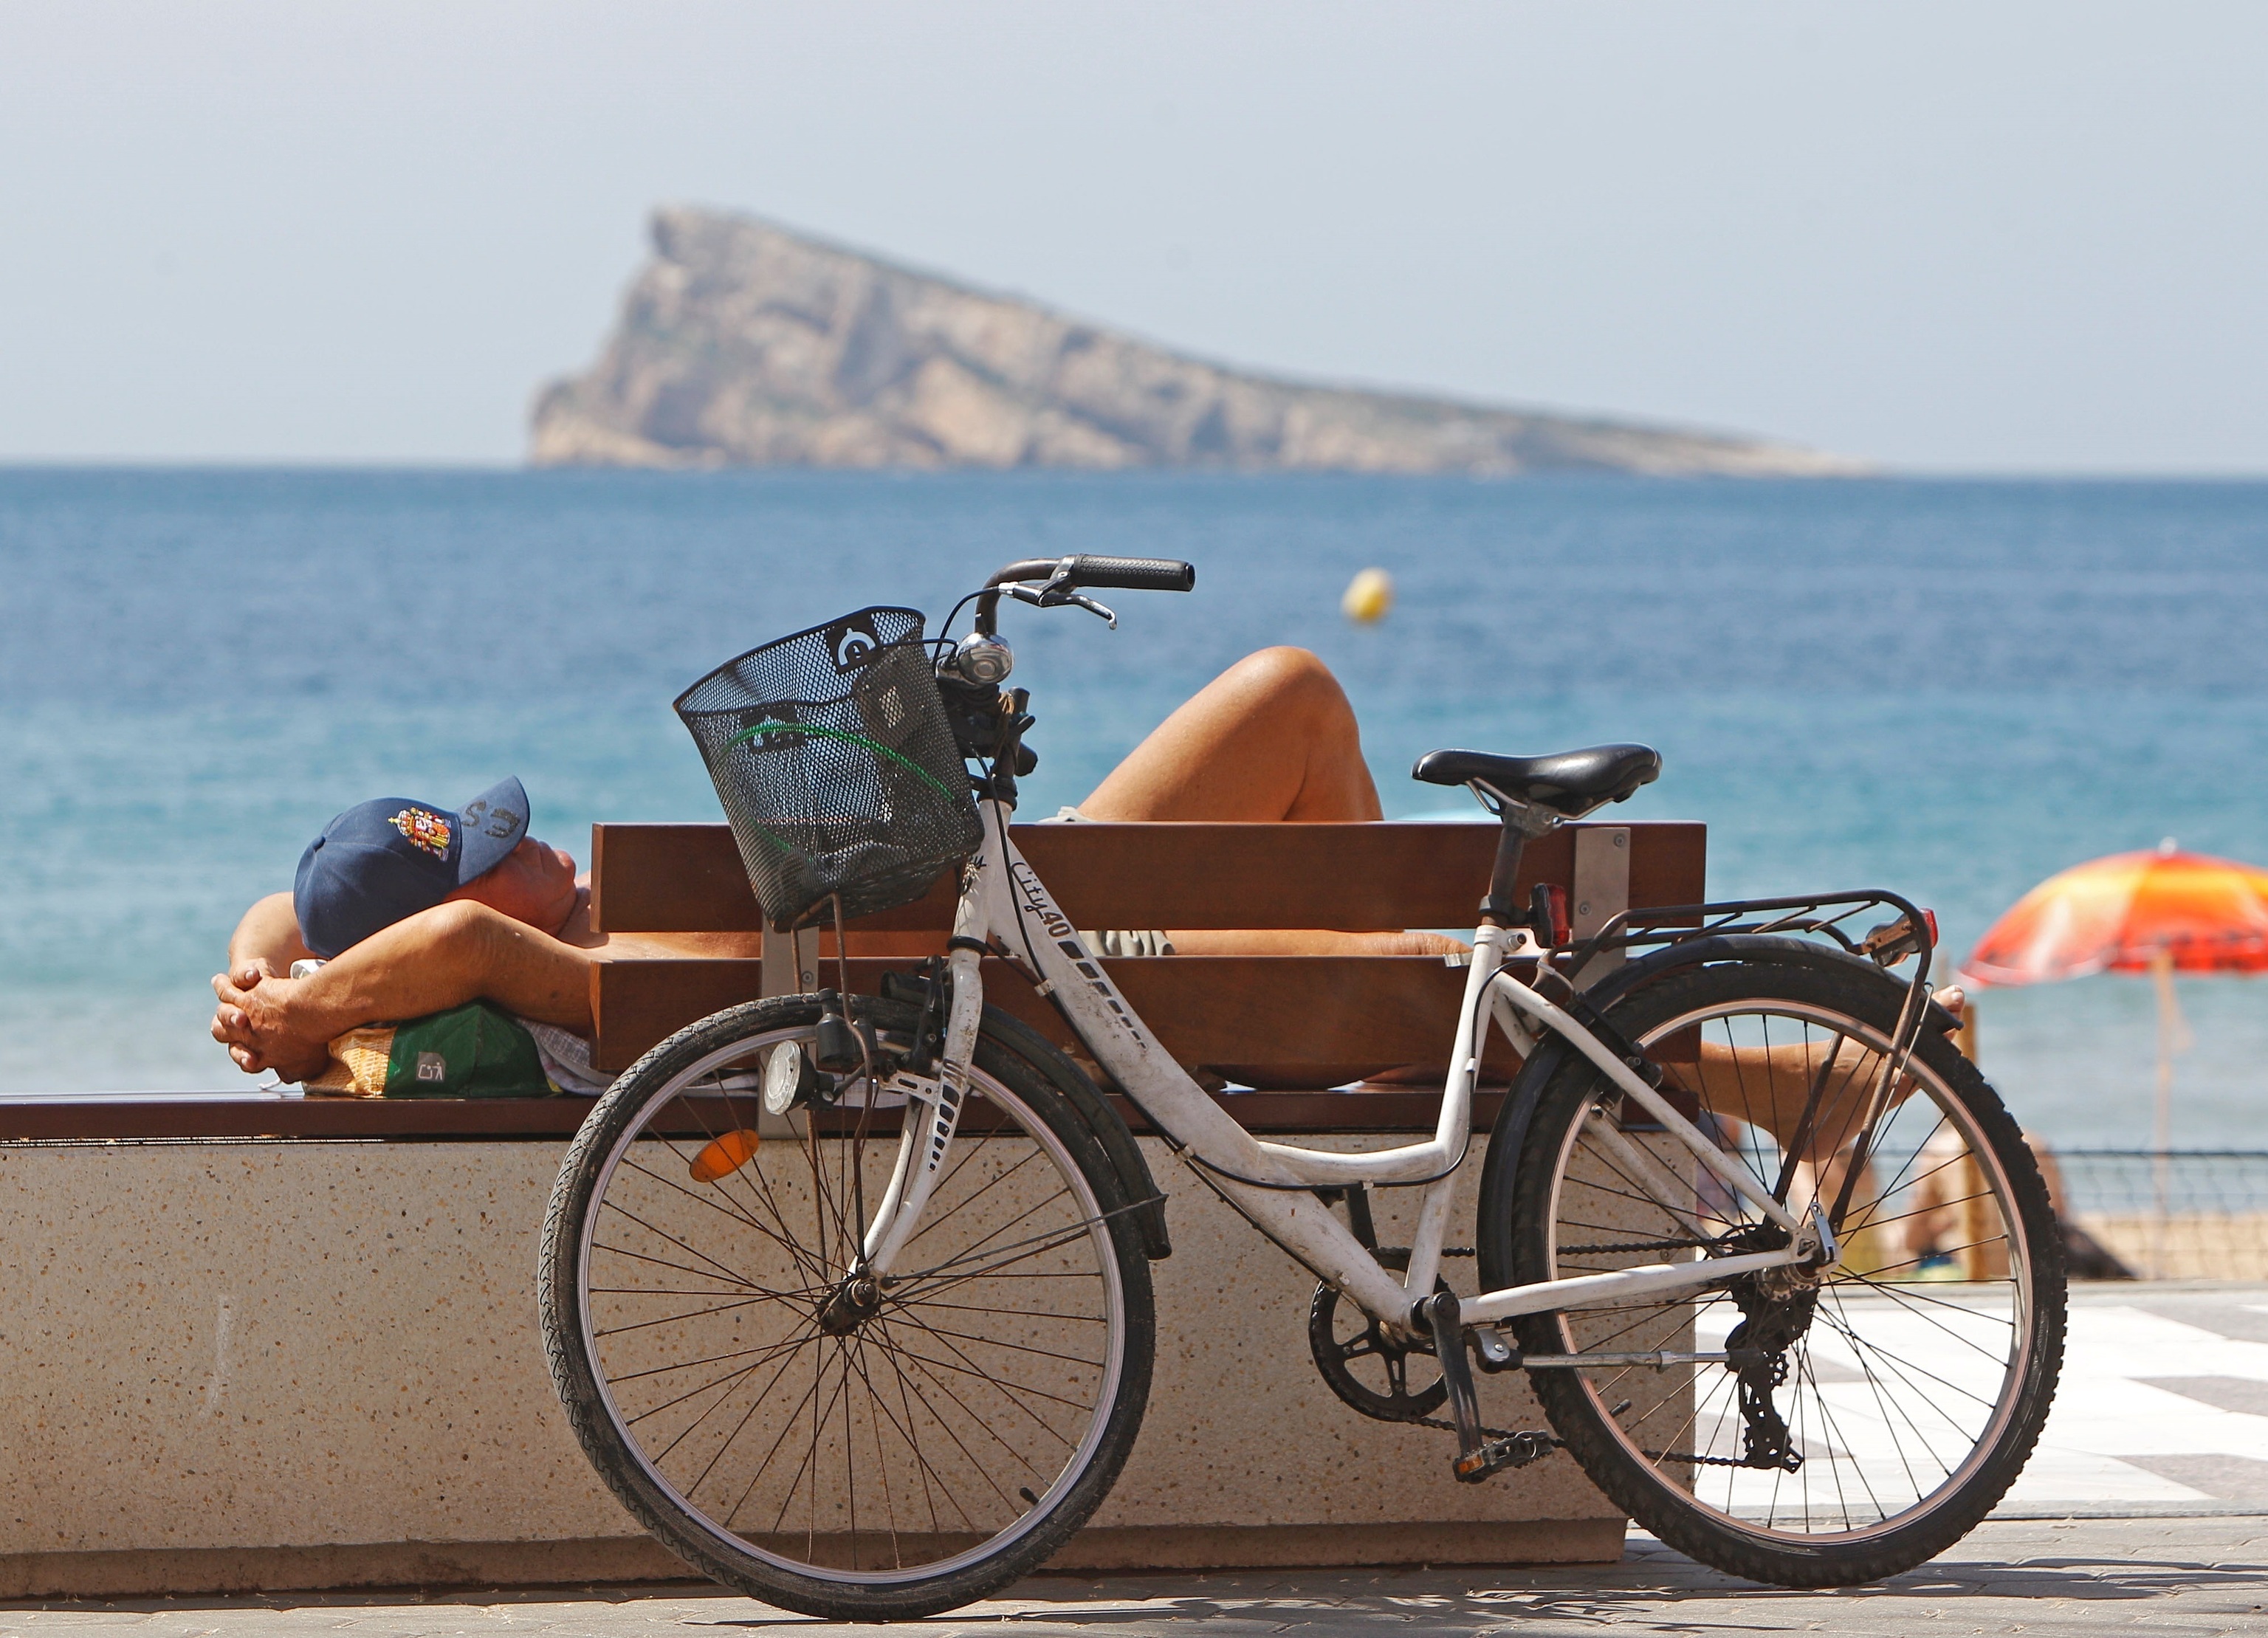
1836	1428
846	1449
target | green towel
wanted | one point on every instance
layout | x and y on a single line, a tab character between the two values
471	1051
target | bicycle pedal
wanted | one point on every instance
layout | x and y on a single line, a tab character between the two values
1495	1353
1512	1450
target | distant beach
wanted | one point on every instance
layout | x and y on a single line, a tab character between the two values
1949	687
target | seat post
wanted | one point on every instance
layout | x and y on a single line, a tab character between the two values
1502	906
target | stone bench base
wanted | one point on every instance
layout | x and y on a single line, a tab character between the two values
616	1559
233	1366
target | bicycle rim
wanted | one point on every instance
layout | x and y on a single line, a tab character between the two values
934	1435
1907	1375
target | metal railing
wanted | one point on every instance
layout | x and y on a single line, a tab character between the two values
2177	1214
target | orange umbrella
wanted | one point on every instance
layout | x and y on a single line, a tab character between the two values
2160	913
2130	913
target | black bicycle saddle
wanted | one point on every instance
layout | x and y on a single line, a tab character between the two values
1569	782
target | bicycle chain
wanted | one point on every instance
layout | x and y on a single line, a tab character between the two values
1706	1461
1556	1442
1637	1246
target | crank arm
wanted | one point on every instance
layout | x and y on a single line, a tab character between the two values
1478	1457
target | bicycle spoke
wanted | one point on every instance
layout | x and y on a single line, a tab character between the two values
1880	1386
826	1425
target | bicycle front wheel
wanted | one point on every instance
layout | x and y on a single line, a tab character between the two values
844	1447
1806	1430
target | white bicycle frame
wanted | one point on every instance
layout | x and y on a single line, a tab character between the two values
1006	907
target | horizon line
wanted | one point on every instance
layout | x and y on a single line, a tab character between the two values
442	466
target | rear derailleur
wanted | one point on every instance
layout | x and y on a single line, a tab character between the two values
1776	1313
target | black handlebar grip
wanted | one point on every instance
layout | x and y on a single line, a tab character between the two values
1068	574
1132	574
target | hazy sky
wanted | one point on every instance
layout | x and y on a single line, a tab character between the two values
1979	236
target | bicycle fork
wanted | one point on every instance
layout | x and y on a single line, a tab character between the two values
928	1137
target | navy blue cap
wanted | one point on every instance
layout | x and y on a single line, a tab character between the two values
381	860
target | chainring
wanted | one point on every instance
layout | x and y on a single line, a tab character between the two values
1336	1357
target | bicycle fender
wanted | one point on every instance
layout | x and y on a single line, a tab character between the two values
1767	949
1107	1125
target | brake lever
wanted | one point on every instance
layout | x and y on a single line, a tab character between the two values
1051	599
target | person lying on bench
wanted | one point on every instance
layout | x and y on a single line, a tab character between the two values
423	911
415	910
406	909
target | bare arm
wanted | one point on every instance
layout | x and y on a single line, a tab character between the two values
444	958
268	937
428	962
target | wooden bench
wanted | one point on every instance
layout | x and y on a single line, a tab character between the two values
1286	1023
1292	1024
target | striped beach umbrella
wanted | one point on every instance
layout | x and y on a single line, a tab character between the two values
2159	911
2130	913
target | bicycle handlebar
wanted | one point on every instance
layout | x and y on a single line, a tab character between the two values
1063	575
1123	574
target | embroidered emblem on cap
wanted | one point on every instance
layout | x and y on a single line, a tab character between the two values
429	831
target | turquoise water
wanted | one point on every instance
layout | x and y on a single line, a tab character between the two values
1951	688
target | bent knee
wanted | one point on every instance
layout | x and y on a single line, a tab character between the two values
1290	676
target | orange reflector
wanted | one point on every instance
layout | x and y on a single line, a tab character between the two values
725	1155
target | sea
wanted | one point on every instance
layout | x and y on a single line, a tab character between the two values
1951	688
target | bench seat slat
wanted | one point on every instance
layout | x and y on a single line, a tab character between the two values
689	878
1307	1021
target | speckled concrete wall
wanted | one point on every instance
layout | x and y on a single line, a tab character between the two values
212	1348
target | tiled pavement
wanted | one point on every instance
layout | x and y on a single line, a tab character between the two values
2145	1511
2163	1405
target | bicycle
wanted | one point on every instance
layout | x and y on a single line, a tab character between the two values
848	1298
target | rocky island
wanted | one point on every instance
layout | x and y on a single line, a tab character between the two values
744	344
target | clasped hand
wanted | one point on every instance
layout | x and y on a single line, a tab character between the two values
255	1022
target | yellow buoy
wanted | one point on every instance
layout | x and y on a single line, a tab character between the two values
725	1155
1368	596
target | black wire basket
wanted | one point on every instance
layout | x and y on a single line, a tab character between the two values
832	755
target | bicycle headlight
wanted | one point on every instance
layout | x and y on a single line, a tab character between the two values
784	1079
983	660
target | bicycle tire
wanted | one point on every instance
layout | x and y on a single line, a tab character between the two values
1894	1394
983	1473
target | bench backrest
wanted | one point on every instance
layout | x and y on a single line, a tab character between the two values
1270	1021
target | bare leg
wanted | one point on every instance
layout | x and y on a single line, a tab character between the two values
1271	737
1772	1089
428	962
